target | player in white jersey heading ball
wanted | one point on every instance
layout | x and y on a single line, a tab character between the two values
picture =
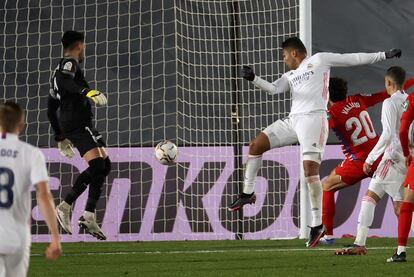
22	166
308	81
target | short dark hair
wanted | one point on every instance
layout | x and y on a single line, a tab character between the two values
397	74
338	89
10	116
294	43
70	38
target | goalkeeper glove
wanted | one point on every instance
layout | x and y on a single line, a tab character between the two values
247	73
66	148
97	97
393	53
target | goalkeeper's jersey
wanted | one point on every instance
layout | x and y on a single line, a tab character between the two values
21	167
309	83
69	88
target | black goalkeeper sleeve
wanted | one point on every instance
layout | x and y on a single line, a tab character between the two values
52	107
68	85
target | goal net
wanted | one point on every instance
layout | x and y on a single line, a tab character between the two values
171	70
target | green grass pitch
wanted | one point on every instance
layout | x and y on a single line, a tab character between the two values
218	258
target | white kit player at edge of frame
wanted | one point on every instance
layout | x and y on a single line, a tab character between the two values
22	166
390	174
307	81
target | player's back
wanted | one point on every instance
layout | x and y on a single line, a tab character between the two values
395	104
74	106
352	124
21	167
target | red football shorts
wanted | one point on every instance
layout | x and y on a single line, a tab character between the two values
351	171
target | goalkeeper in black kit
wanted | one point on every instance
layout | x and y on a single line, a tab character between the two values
70	114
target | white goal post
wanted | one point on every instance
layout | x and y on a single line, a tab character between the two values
305	34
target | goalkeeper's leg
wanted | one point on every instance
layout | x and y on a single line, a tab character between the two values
91	147
99	167
276	135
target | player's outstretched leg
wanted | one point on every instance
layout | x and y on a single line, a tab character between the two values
63	210
100	168
365	219
330	185
257	147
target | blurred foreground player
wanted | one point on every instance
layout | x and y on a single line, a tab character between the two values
308	82
73	127
407	206
349	118
390	173
22	166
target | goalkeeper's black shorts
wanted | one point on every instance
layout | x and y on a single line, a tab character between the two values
84	137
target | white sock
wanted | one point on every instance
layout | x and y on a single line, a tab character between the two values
315	194
88	215
65	205
252	167
365	219
400	249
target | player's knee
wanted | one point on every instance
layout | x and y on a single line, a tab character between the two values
97	168
369	198
108	166
255	148
397	210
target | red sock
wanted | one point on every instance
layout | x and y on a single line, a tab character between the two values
328	211
404	222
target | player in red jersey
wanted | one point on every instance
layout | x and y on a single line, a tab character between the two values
407	207
349	119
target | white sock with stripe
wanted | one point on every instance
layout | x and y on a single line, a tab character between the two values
365	219
253	165
315	195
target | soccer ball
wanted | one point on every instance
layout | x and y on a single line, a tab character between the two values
166	152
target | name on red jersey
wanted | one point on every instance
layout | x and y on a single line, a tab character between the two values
348	107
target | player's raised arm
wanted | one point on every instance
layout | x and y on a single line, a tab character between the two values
47	208
281	85
373	99
352	59
378	97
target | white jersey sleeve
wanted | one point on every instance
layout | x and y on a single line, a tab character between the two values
350	59
281	85
388	120
38	170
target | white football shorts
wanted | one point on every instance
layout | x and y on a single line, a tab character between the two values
388	179
309	130
15	265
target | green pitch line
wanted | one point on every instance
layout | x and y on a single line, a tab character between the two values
217	258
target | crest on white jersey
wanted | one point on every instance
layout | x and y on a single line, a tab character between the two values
405	105
68	66
310	66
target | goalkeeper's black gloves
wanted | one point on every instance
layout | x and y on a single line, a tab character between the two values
247	73
393	53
